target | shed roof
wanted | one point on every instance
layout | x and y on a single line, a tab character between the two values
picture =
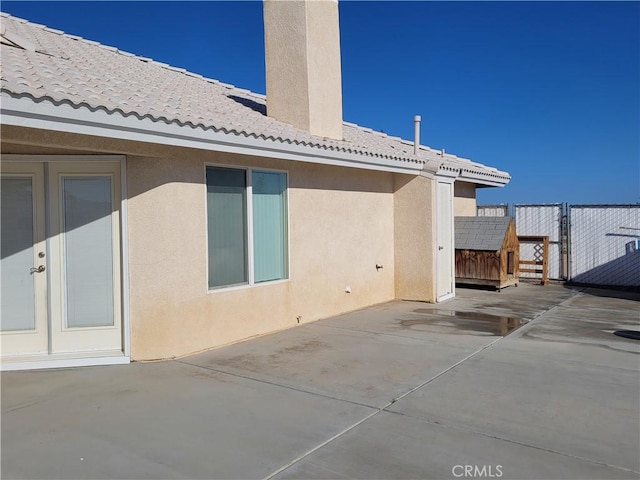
480	233
48	66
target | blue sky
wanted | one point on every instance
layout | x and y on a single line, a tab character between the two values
548	91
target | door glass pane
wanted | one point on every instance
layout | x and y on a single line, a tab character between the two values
88	251
226	226
17	283
269	225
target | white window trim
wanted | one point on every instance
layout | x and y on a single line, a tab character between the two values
249	202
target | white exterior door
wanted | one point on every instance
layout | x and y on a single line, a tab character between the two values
23	276
60	270
445	248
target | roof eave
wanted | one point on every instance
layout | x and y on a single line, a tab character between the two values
487	179
64	117
492	178
46	115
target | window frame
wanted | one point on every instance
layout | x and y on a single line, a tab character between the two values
248	171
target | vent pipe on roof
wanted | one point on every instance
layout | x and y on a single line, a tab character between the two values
416	134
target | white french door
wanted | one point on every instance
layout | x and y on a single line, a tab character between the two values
23	289
60	259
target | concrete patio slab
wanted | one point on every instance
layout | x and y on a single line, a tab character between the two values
402	344
526	301
563	383
420	321
158	420
366	368
580	410
400	390
581	330
400	447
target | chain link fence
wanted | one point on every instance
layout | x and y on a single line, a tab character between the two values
589	244
604	244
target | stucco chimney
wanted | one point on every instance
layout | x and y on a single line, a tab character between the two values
302	56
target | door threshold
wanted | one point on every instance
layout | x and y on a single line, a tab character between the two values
448	296
65	360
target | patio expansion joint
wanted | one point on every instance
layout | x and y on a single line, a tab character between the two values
459	428
276	384
570	361
395	335
394	400
375	411
321	445
537	318
444	372
519	331
378	410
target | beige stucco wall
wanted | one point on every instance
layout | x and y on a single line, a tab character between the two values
464	199
414	237
341	225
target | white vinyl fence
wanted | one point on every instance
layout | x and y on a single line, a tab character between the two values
604	241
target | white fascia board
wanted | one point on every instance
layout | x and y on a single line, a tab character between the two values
45	115
448	173
478	178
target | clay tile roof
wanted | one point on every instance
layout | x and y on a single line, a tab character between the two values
46	64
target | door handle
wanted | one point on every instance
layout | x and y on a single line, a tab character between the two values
440	248
40	269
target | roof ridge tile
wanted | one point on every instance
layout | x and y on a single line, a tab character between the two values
176	69
53	30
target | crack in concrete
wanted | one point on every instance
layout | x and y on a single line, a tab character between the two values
21	406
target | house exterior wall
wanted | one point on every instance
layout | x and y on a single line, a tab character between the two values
414	236
340	226
464	199
342	222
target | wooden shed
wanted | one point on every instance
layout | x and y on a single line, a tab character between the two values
487	251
